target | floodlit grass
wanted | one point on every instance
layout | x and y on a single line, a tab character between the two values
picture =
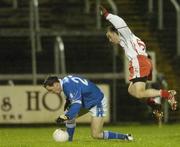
145	136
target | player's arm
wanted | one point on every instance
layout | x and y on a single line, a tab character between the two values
74	107
115	20
72	112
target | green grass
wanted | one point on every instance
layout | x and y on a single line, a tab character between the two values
145	136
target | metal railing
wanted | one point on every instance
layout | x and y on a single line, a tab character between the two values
160	12
15	4
161	18
113	6
93	76
59	56
98	17
160	15
177	7
34	25
59	52
150	6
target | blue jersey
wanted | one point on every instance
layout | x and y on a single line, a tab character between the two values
81	93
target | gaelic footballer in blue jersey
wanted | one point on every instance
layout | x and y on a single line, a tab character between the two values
82	93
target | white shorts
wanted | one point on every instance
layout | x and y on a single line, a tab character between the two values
99	110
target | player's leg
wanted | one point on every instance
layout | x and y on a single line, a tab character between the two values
97	121
70	128
96	127
140	69
138	90
71	124
98	133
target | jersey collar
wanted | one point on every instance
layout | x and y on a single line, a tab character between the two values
61	83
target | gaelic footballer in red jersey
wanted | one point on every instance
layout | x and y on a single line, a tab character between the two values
140	66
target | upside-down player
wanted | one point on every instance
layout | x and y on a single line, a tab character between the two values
82	93
140	66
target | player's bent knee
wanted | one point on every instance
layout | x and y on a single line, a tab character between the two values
130	91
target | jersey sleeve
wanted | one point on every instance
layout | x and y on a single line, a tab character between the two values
116	21
74	96
73	110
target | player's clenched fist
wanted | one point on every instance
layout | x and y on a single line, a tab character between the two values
103	11
61	119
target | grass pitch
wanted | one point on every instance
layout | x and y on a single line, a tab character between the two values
144	135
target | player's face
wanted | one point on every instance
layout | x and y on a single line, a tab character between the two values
56	88
113	37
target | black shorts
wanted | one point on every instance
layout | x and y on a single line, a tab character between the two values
142	79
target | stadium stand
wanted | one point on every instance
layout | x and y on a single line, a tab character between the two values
84	53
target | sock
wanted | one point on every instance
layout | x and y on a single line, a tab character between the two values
150	101
153	101
165	94
113	135
70	129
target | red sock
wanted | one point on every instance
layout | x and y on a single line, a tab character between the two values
164	94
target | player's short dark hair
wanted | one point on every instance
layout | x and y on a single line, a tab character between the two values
112	29
50	81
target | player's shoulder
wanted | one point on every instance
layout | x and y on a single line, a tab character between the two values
65	80
69	80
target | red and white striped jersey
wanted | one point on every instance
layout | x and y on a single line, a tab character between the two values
131	44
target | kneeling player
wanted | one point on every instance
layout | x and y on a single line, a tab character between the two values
82	93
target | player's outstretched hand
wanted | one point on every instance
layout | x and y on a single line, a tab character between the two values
103	11
61	119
